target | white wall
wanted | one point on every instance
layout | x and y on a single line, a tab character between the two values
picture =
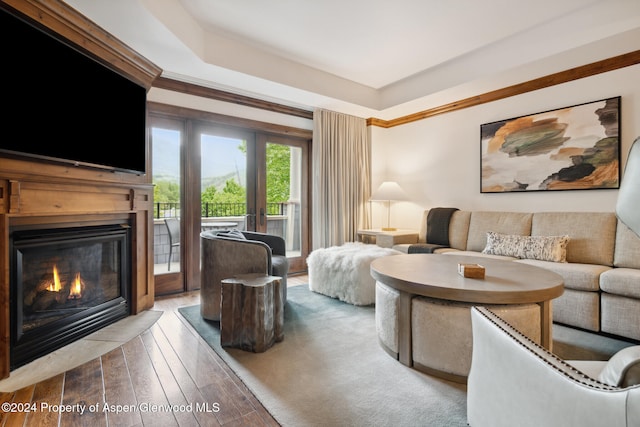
437	160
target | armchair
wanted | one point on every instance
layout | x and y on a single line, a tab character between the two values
514	381
628	203
225	255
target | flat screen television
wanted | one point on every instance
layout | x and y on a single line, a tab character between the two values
61	105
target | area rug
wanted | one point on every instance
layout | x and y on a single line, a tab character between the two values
331	371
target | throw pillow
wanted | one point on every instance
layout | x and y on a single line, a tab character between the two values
543	248
623	369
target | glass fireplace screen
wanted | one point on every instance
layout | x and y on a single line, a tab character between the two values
65	279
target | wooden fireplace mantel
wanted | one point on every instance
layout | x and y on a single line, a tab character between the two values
34	192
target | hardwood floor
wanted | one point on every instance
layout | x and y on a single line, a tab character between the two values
167	376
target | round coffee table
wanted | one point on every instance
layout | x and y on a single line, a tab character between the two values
435	280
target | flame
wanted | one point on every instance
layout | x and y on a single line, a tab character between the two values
75	291
55	286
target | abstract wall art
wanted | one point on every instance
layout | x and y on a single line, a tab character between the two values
572	148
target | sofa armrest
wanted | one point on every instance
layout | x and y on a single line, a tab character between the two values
390	238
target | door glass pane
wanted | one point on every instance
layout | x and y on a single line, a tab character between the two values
166	197
283	187
224	183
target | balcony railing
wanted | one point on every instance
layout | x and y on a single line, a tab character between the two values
211	210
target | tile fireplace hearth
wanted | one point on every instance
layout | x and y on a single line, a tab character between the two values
65	282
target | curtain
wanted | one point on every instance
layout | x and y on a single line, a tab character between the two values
341	178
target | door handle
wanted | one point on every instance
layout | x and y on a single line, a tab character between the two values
261	216
251	217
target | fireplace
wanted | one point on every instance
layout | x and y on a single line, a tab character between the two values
65	282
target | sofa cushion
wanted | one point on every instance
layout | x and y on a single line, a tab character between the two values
592	234
459	229
621	281
582	277
620	315
500	222
578	308
627	251
544	248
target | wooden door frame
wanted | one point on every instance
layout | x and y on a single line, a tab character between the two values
169	283
235	133
193	119
297	264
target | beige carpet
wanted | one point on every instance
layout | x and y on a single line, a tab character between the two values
81	351
331	371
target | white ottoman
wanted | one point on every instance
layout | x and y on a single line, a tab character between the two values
343	271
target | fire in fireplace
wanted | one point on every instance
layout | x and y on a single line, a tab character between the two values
65	283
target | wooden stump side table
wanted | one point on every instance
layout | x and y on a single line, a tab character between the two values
251	312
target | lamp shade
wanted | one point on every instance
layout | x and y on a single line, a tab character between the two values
389	190
628	204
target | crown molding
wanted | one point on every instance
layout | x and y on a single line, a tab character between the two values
603	66
606	65
220	95
64	22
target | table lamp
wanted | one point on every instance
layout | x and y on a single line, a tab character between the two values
389	191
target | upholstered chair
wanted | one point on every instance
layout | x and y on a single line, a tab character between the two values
515	382
225	255
628	204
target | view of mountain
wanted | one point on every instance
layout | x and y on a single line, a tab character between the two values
222	159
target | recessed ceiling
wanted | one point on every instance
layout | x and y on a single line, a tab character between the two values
364	57
373	43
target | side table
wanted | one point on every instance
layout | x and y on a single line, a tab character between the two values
251	312
386	238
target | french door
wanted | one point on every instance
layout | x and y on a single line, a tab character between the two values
210	176
256	182
167	143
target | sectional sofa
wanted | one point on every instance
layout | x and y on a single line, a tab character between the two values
599	260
